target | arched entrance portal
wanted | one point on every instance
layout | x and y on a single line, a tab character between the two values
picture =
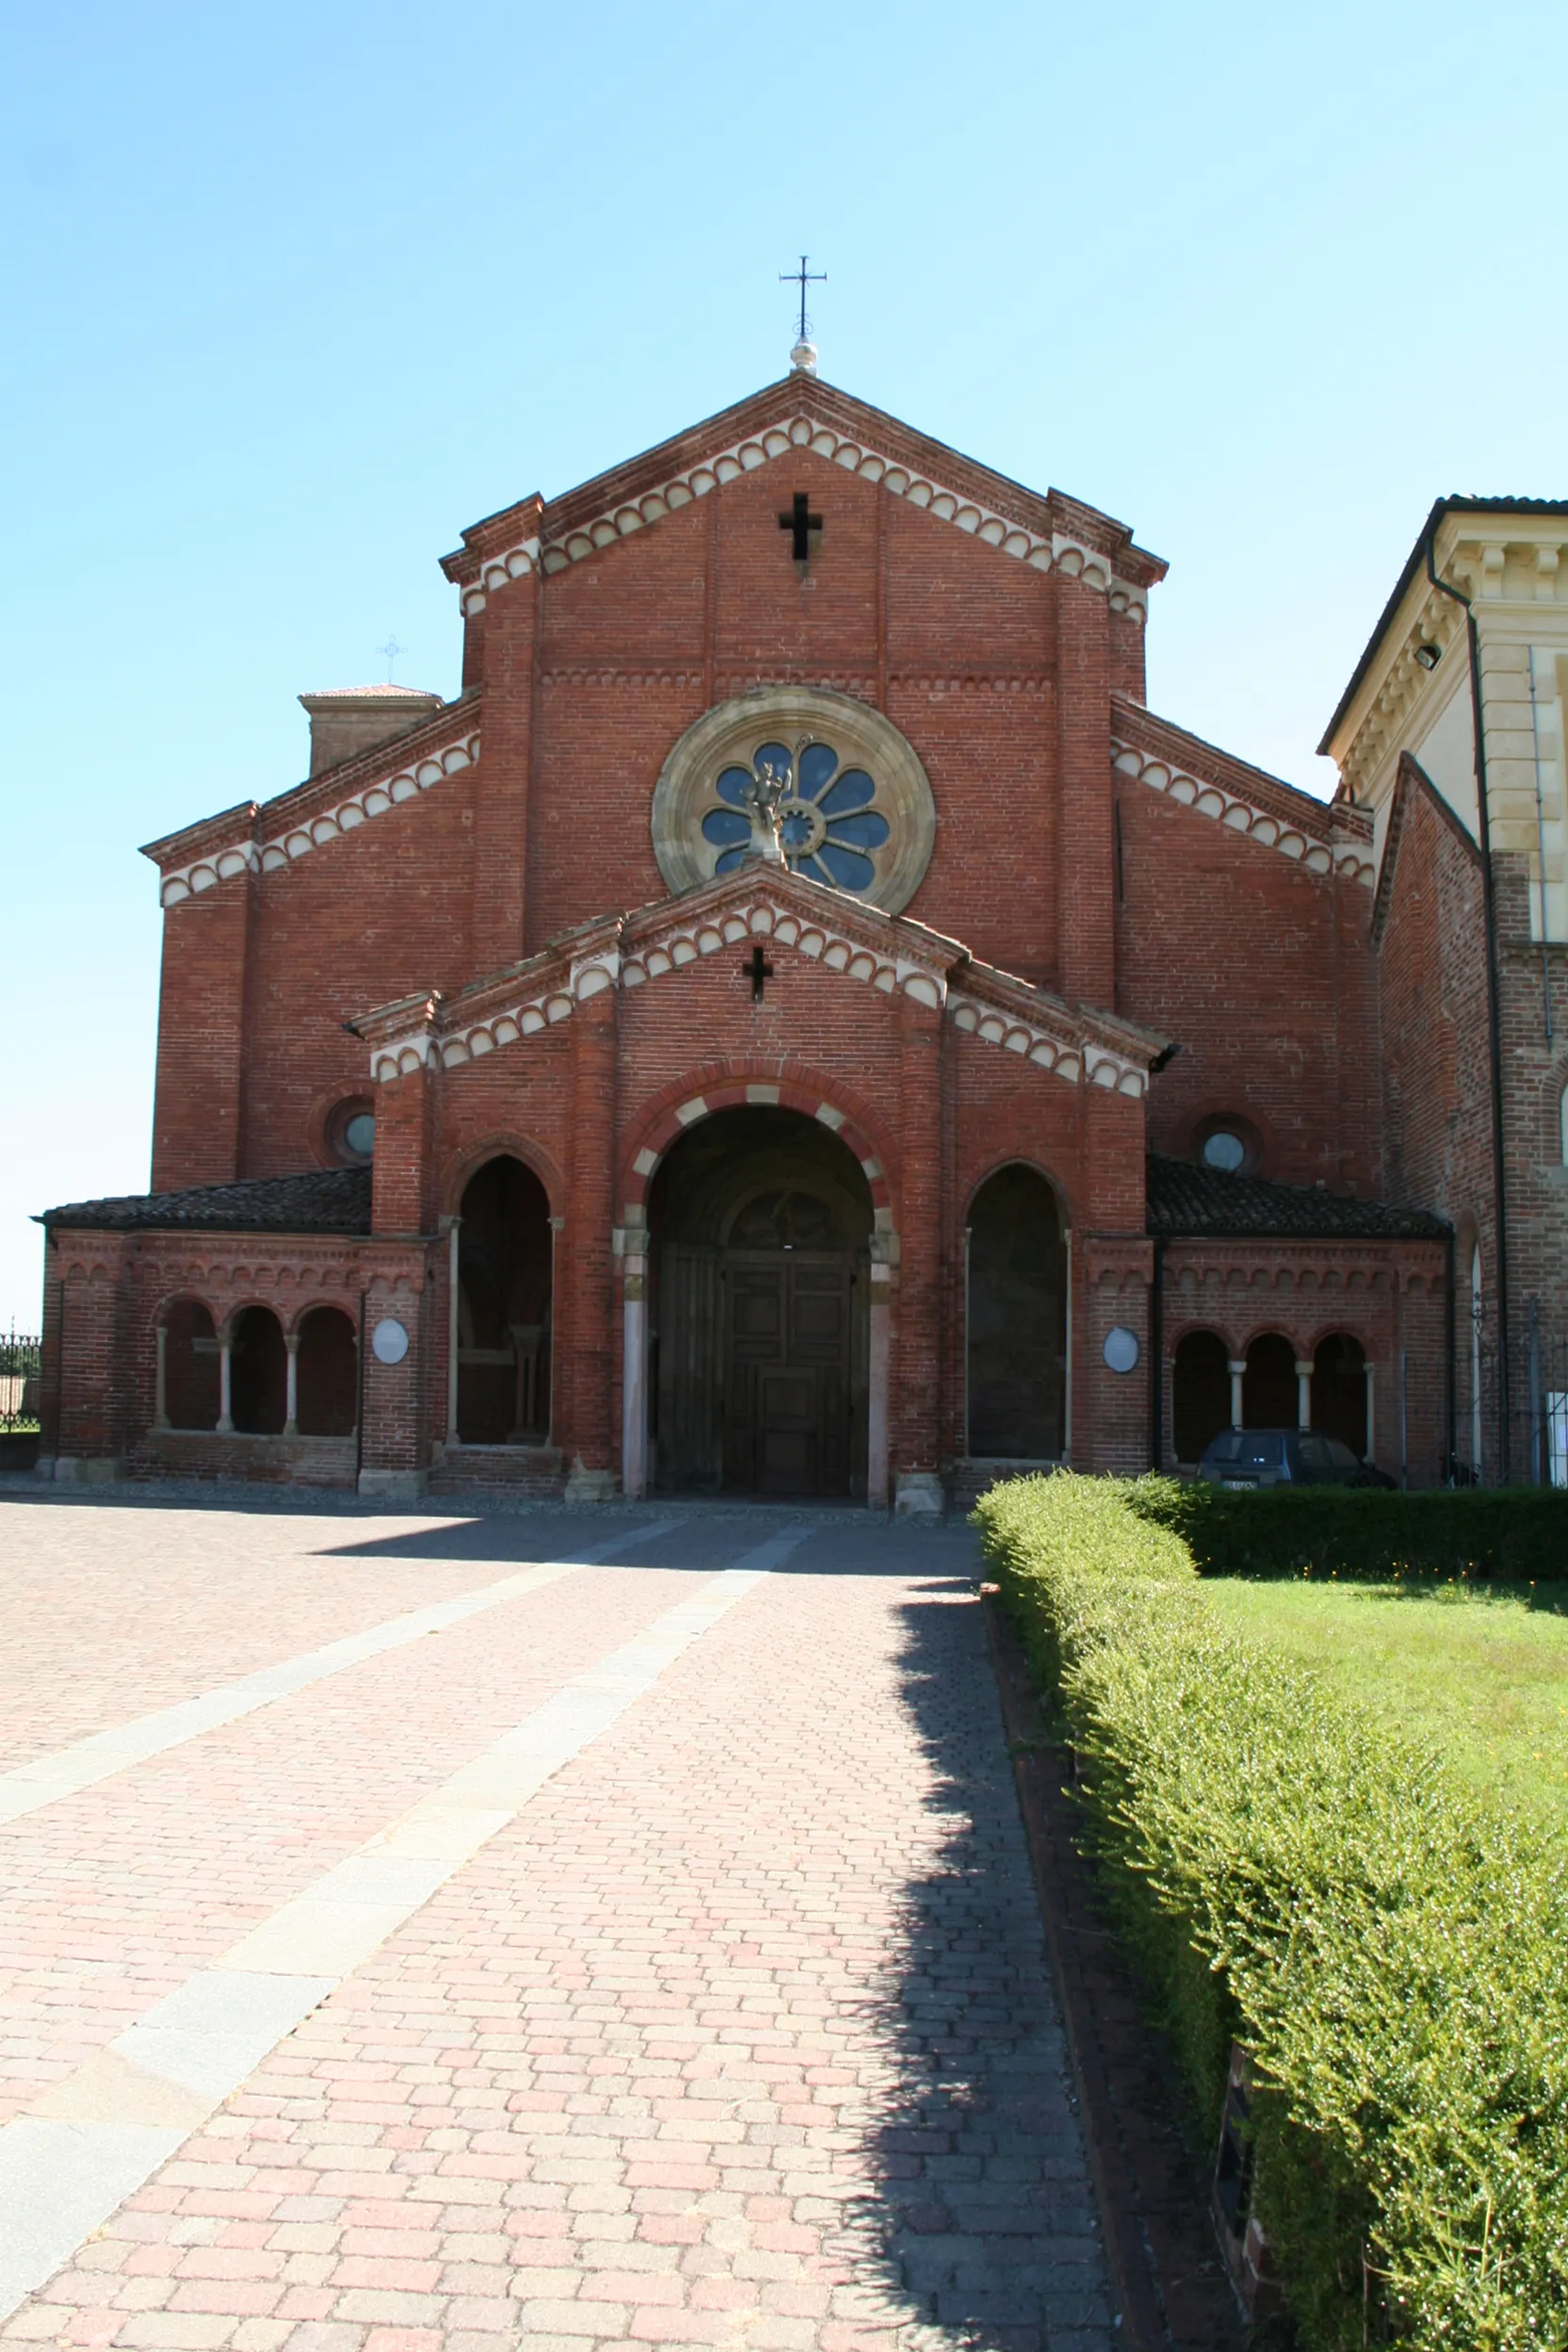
760	1225
1017	1320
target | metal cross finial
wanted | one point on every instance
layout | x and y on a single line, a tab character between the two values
803	277
391	649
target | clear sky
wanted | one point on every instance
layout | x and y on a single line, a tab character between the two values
293	293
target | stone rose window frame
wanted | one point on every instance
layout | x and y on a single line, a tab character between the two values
859	798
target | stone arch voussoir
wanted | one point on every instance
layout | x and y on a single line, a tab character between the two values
731	1087
465	1164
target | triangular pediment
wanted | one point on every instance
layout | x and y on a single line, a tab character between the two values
833	930
1046	530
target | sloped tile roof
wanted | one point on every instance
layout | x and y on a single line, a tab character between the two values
327	1201
1184	1199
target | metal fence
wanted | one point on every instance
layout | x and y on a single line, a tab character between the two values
1513	1429
19	1382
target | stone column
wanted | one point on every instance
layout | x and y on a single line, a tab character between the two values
292	1392
225	1347
1371	1454
1067	1345
1237	1369
917	1429
160	1393
555	1223
968	1235
1304	1369
590	1273
634	1367
453	1301
879	1366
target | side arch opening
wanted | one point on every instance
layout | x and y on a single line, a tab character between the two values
1017	1319
505	1272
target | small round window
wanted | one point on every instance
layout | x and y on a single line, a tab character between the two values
359	1134
1224	1149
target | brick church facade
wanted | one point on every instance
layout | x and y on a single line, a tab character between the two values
796	1023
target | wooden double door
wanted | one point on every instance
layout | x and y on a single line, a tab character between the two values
760	1382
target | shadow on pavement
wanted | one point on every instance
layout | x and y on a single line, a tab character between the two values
983	2230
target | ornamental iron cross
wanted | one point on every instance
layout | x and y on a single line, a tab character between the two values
801	520
803	278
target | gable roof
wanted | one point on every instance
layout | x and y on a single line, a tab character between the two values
830	927
1324	836
1414	563
1188	1200
1411	777
257	837
1046	530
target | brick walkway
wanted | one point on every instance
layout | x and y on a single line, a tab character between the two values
732	2029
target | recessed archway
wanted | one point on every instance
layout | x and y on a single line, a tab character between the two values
258	1376
505	1307
1017	1319
759	1275
1339	1390
1269	1392
1199	1393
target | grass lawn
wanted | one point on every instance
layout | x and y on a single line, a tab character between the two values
1483	1676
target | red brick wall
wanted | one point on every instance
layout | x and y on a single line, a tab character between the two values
1260	970
1002	678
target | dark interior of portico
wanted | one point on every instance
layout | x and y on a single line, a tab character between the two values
1016	1318
504	1288
759	1252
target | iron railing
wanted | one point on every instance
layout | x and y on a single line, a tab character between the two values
1526	1443
19	1381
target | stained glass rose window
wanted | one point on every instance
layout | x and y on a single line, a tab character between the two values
802	776
830	826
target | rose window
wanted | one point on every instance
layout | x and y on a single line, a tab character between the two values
829	828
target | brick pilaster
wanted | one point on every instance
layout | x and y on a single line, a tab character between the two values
1084	863
404	1178
588	1287
501	799
917	1417
198	1110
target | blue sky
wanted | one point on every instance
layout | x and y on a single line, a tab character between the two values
292	294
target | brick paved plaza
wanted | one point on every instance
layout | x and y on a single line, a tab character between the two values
433	1935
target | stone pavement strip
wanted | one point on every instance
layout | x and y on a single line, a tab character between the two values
651	1958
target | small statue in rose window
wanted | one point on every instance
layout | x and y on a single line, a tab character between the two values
764	798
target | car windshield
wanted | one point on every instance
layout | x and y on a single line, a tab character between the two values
1248	1449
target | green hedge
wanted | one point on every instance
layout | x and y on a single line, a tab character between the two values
1516	1535
1393	1954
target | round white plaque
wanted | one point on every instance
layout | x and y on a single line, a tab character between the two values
1122	1348
389	1341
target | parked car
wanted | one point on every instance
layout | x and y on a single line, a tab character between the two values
1250	1458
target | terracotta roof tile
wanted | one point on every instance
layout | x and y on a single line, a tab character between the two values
1184	1199
327	1201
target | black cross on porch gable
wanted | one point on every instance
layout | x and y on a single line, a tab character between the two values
757	969
802	522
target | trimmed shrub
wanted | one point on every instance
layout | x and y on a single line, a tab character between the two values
1391	1951
1514	1535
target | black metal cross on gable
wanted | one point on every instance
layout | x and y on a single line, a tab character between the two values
757	969
801	520
803	278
